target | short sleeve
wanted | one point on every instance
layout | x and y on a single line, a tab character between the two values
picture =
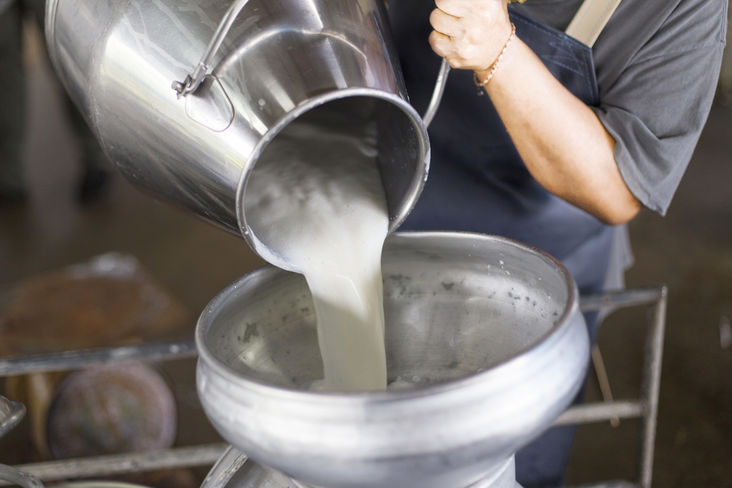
657	107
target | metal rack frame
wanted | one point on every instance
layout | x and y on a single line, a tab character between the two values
645	407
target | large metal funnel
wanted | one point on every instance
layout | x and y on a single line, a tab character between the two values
487	330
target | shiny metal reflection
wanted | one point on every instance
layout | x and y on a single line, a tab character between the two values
263	69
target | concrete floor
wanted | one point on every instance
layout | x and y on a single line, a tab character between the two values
690	250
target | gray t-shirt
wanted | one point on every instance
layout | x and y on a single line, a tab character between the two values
657	64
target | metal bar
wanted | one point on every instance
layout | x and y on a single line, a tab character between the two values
103	466
68	360
603	381
600	412
620	299
608	484
652	385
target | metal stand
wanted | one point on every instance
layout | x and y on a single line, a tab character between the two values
645	407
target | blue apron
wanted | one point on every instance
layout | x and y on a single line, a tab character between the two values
477	180
479	183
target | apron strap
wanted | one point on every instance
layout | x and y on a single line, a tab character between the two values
591	19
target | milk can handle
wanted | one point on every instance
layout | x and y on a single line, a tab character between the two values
193	80
437	93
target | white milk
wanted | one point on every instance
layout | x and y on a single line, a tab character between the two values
323	209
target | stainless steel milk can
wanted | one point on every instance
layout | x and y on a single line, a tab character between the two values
186	95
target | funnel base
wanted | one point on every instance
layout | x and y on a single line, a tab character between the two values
254	475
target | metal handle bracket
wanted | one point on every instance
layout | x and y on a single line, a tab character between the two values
194	80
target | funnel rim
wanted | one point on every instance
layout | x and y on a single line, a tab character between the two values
562	324
311	103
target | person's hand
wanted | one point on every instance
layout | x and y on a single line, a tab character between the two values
469	34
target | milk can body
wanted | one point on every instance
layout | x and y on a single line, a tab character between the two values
280	59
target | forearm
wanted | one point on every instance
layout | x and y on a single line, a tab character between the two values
560	139
562	142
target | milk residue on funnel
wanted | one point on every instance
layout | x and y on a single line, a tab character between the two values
316	199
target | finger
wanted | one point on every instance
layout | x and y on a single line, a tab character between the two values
441	44
445	23
451	7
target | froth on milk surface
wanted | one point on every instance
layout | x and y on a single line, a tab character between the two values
316	199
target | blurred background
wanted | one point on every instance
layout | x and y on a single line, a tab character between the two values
182	263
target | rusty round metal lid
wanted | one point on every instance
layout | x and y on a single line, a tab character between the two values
111	409
110	300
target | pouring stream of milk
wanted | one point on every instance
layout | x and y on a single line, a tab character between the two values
323	210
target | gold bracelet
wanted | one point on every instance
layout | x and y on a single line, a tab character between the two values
494	67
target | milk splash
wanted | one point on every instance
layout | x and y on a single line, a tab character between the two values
323	210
